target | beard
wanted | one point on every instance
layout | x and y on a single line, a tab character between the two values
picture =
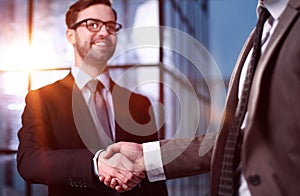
95	55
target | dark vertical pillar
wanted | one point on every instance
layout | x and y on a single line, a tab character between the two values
30	26
205	23
8	165
11	12
161	24
30	20
126	11
161	16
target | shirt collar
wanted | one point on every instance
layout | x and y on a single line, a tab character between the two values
82	78
275	7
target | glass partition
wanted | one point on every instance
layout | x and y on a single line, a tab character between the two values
30	62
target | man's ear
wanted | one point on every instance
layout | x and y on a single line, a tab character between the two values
70	33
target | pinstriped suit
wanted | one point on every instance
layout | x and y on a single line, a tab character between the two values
271	147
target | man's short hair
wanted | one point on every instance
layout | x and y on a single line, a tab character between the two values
78	6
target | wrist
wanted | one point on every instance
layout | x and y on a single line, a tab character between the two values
95	161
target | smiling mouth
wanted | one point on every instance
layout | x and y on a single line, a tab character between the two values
101	43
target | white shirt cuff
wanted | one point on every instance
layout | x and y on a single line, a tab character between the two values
95	161
153	161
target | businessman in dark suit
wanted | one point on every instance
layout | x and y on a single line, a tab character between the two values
268	145
61	136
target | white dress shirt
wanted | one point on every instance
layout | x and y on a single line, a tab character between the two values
81	79
151	150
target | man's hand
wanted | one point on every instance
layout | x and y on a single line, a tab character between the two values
130	162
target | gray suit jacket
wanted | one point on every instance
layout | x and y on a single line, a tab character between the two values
271	147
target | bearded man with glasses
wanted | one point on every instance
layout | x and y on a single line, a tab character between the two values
62	134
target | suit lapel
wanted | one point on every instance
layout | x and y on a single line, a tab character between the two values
232	97
83	119
230	107
286	20
235	78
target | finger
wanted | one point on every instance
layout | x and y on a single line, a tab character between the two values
129	173
108	172
133	180
121	168
122	179
101	178
133	151
107	180
119	189
113	183
124	182
139	174
122	187
111	150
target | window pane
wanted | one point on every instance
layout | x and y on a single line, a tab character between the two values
13	88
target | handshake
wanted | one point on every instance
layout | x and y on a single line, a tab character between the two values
121	166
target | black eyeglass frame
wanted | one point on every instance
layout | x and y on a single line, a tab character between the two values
118	26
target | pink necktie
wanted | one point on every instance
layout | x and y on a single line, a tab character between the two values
98	106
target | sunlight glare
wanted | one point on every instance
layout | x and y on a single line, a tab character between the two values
20	56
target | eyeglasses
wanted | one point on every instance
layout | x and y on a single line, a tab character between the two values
94	25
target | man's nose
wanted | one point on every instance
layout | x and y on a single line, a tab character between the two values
103	31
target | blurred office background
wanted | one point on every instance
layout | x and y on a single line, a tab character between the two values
34	52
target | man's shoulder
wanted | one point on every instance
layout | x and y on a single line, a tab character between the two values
66	81
53	88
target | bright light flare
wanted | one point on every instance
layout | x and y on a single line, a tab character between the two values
20	56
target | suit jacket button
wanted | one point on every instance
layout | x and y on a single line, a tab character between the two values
254	180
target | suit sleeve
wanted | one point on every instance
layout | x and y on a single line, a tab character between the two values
182	157
179	157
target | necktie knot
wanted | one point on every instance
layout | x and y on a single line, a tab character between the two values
263	15
95	85
92	85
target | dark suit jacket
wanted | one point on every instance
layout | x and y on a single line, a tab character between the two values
57	139
271	147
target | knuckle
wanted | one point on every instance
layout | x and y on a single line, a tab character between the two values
130	176
126	180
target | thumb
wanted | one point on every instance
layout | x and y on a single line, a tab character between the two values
111	150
